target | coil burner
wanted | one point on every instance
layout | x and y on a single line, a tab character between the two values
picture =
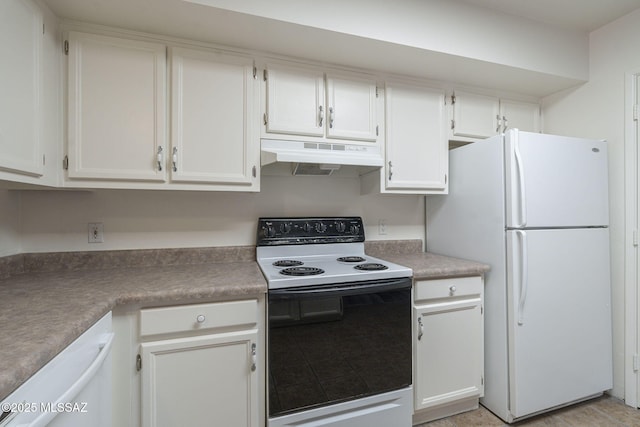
301	271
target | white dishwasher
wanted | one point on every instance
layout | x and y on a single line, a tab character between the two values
72	390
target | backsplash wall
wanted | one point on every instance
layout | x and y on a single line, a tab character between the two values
52	221
9	223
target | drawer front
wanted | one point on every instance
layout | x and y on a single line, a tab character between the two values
447	288
196	317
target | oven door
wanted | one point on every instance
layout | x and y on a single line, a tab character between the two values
334	343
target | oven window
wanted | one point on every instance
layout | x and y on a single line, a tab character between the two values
325	349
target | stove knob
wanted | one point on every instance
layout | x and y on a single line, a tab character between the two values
341	226
269	231
354	229
321	227
285	228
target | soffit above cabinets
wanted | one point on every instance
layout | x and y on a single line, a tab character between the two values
475	48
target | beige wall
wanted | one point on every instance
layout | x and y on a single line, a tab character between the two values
596	110
57	220
9	222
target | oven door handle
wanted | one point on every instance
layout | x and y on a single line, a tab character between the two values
343	289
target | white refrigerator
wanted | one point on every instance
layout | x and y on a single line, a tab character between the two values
535	208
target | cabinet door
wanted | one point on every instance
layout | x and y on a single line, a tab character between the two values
475	115
213	106
416	143
205	380
352	108
520	115
20	87
295	101
116	104
449	351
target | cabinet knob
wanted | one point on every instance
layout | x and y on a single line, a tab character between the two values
200	318
452	289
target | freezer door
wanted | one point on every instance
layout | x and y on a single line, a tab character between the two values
559	317
555	181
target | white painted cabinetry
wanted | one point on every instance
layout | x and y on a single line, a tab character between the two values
477	115
307	103
198	365
214	134
21	85
449	350
117	123
295	101
116	108
352	107
416	153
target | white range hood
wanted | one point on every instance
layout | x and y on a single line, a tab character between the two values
319	158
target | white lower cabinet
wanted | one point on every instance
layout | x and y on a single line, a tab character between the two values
199	381
190	365
449	349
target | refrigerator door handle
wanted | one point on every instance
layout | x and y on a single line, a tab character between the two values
524	274
521	187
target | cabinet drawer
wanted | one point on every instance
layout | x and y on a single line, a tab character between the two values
185	318
446	288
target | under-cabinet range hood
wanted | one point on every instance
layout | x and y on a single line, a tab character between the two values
323	158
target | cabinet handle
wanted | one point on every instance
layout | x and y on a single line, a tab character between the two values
420	328
174	159
498	123
254	172
390	170
160	158
254	357
452	289
331	117
504	123
320	116
201	318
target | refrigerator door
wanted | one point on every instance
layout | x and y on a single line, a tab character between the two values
555	181
559	317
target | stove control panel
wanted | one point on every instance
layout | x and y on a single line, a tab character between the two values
301	231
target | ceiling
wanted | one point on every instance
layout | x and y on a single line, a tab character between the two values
581	15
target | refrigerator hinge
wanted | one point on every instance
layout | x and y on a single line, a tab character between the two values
635	362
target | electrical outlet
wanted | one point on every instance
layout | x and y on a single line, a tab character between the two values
382	226
96	232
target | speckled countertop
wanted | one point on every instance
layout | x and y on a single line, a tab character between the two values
48	300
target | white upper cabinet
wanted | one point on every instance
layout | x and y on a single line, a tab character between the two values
520	115
295	101
481	116
117	133
116	107
214	137
352	107
416	144
21	32
474	115
304	102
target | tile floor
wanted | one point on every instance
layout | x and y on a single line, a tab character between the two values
600	412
